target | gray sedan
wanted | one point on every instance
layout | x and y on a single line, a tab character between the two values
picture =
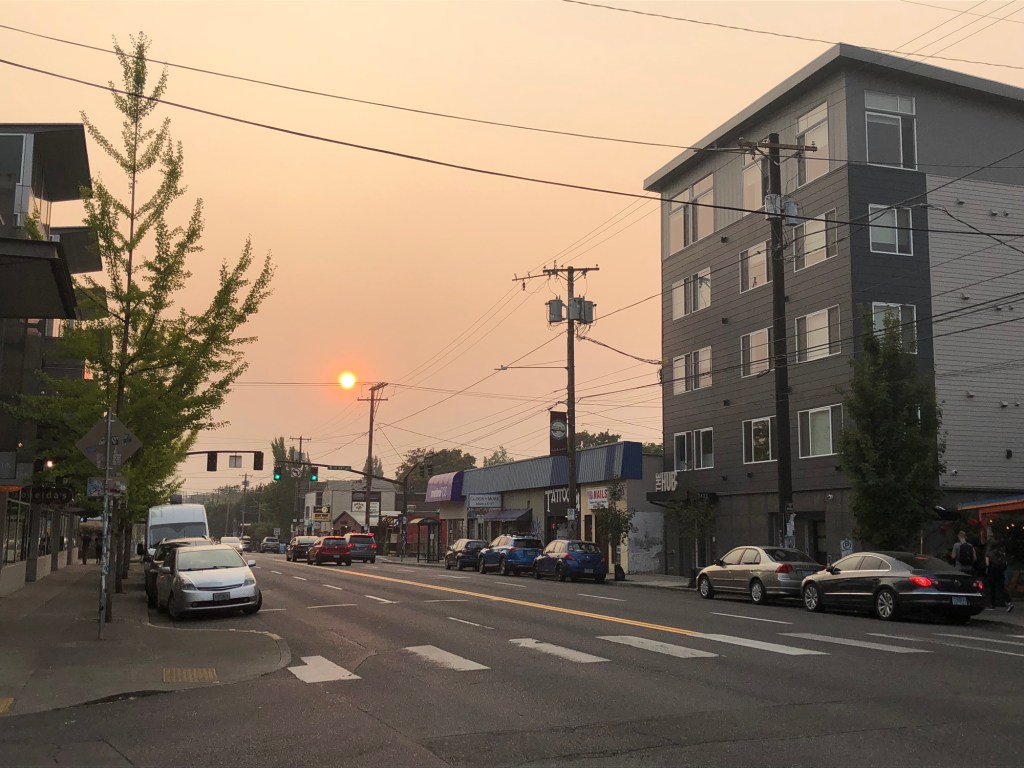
214	577
761	572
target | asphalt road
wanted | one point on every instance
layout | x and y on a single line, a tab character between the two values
406	666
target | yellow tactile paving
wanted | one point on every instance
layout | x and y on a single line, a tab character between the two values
5	705
190	675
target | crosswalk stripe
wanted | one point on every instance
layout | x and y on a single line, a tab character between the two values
441	658
948	644
277	572
787	650
980	639
471	623
750	618
333	605
317	669
854	643
556	650
601	597
331	586
679	651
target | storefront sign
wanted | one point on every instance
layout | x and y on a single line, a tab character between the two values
558	433
484	501
446	487
665	482
597	498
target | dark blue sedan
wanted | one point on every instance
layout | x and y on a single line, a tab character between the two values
571	559
510	553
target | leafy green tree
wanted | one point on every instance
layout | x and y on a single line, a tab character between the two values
500	456
421	463
586	439
891	447
653	449
613	524
279	497
374	468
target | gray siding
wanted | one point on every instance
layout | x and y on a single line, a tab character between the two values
970	276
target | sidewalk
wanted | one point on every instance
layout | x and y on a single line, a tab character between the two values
53	659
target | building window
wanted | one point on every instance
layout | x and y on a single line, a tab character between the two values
691	294
691	371
891	130
817	335
815	240
759	440
905	317
695	449
890	230
755	181
689	223
755	267
756	352
812	128
819	431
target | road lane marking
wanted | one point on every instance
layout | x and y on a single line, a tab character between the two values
448	600
853	643
787	650
506	584
317	669
556	650
601	597
435	655
448	576
471	623
380	599
277	572
980	639
644	644
300	578
751	618
331	586
333	605
265	610
947	644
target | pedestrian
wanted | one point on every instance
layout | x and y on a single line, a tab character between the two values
995	574
964	556
99	549
84	554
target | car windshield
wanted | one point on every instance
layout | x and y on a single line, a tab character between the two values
527	543
208	559
230	540
475	544
176	531
924	562
788	555
583	546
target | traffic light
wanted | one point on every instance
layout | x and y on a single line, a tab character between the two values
314	474
211	461
277	472
257	461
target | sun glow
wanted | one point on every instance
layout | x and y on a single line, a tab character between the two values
347	380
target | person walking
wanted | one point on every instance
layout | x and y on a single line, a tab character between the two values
964	556
84	553
995	575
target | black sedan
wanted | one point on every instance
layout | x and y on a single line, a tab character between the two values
298	547
464	553
890	584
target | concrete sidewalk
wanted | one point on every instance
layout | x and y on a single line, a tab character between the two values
52	657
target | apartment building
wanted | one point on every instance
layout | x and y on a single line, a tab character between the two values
915	195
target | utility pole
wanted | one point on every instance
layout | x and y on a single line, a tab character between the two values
577	310
374	402
297	510
245	486
776	210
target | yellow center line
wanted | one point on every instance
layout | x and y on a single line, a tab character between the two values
528	604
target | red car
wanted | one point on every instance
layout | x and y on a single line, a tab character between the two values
329	549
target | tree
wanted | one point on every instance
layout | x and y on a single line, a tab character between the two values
890	448
653	449
374	468
163	369
695	517
614	523
586	439
420	463
279	498
500	456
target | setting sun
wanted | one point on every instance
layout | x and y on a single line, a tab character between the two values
347	380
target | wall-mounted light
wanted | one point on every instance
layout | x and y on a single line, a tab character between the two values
964	297
750	474
1003	404
725	321
725	403
725	238
959	201
969	393
1009	453
839	467
724	478
829	496
954	472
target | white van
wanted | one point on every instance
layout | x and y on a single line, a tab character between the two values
175	521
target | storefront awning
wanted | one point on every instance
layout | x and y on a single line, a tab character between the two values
446	487
424	521
506	515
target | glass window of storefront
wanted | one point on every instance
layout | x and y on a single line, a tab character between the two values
15	532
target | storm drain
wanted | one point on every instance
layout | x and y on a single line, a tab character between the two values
190	675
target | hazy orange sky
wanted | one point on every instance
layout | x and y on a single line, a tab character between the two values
402	271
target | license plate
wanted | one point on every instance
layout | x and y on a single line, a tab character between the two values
588	570
959	600
337	557
217	596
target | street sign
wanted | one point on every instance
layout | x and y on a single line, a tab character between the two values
570	514
277	532
123	444
339	468
94	486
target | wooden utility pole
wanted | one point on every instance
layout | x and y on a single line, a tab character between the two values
374	401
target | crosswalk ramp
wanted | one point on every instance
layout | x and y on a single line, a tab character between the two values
315	669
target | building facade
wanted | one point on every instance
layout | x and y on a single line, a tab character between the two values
900	215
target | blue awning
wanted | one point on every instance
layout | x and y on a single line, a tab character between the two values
506	514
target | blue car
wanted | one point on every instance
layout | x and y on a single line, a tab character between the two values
571	559
511	554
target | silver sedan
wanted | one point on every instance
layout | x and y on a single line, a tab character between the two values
214	577
761	572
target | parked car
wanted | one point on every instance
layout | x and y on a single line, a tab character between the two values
328	549
247	544
761	572
463	553
205	578
571	559
151	563
362	546
511	554
298	547
232	541
891	584
270	544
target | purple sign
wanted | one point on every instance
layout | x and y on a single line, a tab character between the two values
447	487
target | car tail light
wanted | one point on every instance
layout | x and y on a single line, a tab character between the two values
922	581
373	546
784	568
512	549
568	556
979	585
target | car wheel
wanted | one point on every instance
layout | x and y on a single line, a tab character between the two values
885	604
447	564
249	610
483	566
348	563
150	597
599	579
704	587
536	573
373	559
812	597
458	564
559	572
503	567
757	594
287	557
172	608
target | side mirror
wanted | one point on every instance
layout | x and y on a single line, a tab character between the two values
250	562
165	569
720	563
833	570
